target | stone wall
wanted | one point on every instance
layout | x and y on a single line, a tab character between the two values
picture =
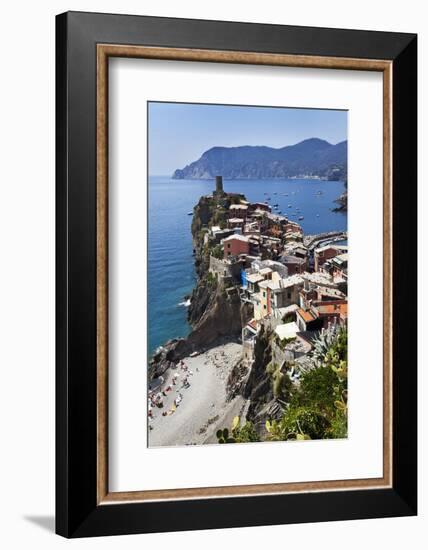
224	269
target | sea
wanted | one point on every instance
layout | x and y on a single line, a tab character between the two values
171	274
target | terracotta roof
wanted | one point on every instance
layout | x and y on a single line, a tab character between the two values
307	316
329	309
253	324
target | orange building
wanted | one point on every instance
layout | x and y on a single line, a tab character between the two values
322	314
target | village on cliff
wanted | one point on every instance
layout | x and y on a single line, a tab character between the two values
270	306
295	284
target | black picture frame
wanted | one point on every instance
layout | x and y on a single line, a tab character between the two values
77	511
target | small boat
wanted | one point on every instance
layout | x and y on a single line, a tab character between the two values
301	218
290	206
276	205
190	213
275	193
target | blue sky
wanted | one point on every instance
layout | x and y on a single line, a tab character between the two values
179	133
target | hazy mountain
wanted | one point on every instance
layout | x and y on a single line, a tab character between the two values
309	157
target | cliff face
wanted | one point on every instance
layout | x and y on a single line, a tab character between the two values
215	310
312	156
255	384
258	388
221	318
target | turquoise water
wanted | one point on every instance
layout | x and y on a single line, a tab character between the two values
171	274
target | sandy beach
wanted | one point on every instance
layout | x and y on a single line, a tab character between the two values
201	407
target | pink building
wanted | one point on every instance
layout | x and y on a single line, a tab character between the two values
236	245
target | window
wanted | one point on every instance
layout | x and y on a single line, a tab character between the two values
228	245
288	295
264	307
264	294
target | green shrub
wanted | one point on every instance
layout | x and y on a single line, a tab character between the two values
281	385
212	279
271	368
283	342
289	318
217	251
319	408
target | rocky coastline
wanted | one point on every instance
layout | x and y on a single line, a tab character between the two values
215	313
220	384
342	201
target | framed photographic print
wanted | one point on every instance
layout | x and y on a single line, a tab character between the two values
235	341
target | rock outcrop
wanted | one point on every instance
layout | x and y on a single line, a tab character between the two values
215	310
258	388
342	201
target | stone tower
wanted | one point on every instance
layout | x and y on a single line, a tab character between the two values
219	185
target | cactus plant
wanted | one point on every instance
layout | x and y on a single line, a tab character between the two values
240	434
223	436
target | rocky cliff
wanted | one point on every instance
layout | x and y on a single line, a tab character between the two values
255	383
342	201
215	310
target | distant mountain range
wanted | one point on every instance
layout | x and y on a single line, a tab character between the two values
311	157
